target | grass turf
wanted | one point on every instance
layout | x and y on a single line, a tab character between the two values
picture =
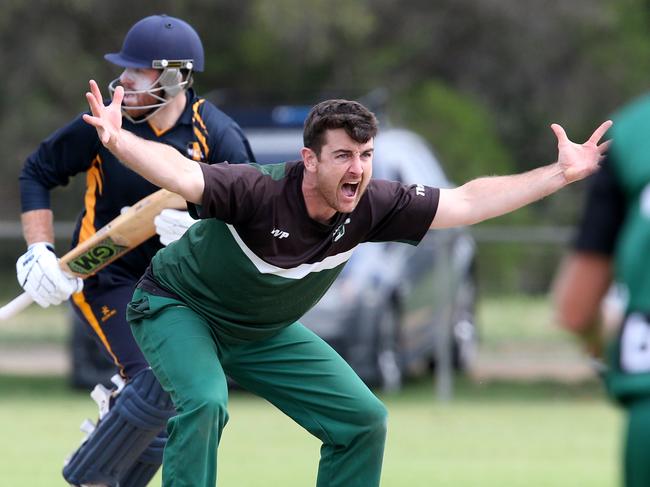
493	434
536	434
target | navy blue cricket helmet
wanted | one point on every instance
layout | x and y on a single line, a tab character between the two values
167	44
156	39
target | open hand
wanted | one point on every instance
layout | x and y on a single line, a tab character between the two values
107	120
577	161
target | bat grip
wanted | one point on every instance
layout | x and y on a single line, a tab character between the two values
15	306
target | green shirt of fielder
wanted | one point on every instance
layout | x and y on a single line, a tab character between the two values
629	376
225	298
613	244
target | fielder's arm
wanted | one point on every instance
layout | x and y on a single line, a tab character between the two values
485	198
578	292
159	163
580	287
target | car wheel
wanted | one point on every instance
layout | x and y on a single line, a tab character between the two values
387	350
465	333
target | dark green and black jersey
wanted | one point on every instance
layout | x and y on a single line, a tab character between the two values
616	223
257	262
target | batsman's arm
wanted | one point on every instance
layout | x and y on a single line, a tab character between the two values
120	235
489	197
38	226
159	163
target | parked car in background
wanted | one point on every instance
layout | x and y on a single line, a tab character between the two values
392	302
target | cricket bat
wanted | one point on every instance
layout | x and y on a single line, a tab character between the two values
113	240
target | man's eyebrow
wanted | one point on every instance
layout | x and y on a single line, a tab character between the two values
370	149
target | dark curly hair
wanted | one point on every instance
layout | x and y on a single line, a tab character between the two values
357	121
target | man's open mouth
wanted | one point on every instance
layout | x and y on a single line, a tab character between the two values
350	189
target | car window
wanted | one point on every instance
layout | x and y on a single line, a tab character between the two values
273	146
403	156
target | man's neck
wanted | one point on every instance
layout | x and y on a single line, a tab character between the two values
317	207
167	116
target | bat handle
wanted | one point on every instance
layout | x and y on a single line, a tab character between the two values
15	306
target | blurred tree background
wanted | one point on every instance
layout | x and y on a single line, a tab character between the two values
481	79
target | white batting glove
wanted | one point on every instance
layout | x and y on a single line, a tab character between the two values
172	224
39	274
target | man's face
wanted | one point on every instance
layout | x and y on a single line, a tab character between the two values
138	79
343	170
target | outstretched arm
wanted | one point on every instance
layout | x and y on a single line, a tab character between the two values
485	198
160	164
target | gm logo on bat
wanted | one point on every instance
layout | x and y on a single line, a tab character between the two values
101	254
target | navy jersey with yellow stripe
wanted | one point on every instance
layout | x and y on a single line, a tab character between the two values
203	132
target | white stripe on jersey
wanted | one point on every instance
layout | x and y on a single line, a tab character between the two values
293	273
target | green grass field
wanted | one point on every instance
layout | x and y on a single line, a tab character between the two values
491	434
495	435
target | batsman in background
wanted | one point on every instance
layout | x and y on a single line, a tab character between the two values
613	245
227	296
159	55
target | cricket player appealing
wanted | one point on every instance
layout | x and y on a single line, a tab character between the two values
159	56
225	298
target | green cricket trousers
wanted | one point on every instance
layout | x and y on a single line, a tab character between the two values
294	370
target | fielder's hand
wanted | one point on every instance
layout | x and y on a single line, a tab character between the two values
577	161
172	224
107	120
39	274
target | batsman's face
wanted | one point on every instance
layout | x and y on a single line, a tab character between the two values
343	170
137	83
